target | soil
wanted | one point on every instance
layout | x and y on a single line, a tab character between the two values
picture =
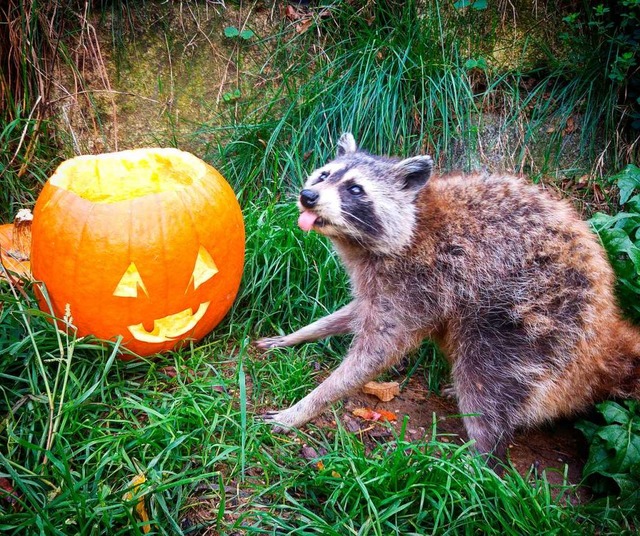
559	449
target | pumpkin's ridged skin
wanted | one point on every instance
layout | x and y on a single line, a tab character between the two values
20	267
81	248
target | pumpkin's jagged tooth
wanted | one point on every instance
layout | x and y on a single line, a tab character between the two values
170	327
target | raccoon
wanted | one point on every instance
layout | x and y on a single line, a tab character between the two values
504	278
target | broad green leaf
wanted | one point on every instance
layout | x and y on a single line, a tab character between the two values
625	445
633	204
614	413
628	181
628	484
475	4
599	461
588	428
231	31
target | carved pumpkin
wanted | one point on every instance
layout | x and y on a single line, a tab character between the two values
15	245
147	244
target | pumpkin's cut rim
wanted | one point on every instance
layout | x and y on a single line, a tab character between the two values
130	174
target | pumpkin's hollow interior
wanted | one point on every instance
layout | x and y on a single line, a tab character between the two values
113	177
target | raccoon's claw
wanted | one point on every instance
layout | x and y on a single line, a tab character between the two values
271	342
449	391
271	417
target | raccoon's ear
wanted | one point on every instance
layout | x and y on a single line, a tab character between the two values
413	173
347	144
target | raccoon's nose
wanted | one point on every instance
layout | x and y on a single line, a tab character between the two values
309	198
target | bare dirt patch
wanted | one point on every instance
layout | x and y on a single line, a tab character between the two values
558	449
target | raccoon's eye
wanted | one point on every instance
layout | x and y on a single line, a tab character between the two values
322	176
355	190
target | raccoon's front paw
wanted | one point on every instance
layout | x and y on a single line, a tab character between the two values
272	418
271	342
285	420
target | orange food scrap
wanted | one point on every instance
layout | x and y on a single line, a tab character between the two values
369	414
385	391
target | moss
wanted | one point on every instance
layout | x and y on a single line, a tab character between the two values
162	78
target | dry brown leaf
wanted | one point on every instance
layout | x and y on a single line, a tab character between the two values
169	371
308	453
304	25
570	127
292	13
140	509
8	492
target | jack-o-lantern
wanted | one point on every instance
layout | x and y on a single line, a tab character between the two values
15	245
147	244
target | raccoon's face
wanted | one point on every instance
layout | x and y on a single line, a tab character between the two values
364	199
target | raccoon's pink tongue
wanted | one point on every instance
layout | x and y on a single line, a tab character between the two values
306	220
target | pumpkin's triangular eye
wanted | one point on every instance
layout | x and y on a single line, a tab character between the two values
128	285
204	269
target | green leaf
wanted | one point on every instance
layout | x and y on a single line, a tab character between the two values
626	447
633	204
231	32
246	34
473	63
614	450
475	4
588	428
628	180
628	484
231	96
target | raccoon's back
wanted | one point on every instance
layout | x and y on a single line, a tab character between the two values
497	238
505	223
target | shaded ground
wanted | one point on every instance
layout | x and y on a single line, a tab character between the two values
559	450
556	449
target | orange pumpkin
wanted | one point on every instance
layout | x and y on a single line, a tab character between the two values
15	245
147	244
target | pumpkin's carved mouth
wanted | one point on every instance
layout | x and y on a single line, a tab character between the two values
170	327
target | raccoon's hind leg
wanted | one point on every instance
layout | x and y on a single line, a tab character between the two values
492	380
334	324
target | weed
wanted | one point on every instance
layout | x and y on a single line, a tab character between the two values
615	450
619	235
407	488
232	32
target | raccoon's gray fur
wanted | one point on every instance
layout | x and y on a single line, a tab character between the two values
509	282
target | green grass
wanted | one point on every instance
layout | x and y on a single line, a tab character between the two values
77	424
411	488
